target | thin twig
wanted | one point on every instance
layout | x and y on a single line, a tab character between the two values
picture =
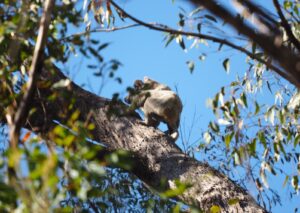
36	64
164	28
99	30
270	43
286	25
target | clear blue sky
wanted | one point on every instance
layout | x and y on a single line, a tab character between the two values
142	53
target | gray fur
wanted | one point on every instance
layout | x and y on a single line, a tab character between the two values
159	104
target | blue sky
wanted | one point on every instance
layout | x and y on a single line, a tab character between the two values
142	53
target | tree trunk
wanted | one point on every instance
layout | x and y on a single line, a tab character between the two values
156	157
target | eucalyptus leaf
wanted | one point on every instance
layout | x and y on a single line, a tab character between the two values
226	65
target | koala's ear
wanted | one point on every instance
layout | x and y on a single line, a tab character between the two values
138	84
130	90
146	79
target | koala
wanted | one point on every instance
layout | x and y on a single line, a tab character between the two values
149	84
155	85
158	103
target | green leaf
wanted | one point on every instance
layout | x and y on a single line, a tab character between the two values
281	147
197	10
96	168
215	209
61	83
170	38
237	160
211	18
207	137
263	178
294	101
228	139
233	201
202	57
214	126
226	65
91	66
287	5
95	53
257	108
178	189
225	122
261	137
295	182
76	40
270	115
269	87
252	147
181	43
297	140
191	66
8	194
199	27
244	99
285	181
69	139
220	46
234	83
296	9
270	168
177	208
103	46
181	21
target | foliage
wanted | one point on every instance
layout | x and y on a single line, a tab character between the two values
262	139
250	135
61	172
259	139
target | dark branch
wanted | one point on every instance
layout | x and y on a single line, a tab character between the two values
155	156
112	29
270	43
164	28
36	64
263	16
286	25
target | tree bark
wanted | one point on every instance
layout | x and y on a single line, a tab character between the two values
156	157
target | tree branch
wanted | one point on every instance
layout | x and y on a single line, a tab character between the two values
271	44
99	31
155	156
262	15
286	25
36	64
163	28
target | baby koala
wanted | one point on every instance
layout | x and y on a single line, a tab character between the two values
158	103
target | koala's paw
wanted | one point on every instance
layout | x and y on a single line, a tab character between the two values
142	122
174	135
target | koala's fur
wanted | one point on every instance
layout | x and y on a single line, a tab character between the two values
159	104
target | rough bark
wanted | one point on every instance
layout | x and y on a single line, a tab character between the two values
156	157
36	64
